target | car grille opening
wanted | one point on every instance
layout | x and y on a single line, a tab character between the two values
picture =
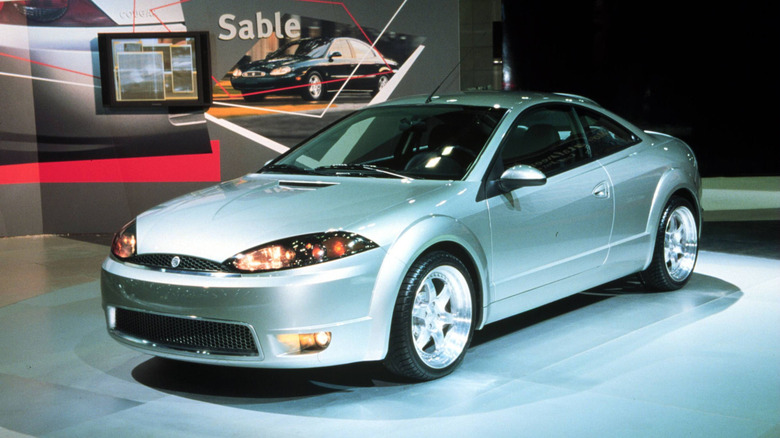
187	334
183	263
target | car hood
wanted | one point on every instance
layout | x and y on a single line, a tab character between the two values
218	222
270	64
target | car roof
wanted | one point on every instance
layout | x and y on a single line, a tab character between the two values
498	99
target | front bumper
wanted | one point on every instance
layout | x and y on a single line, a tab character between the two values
286	83
264	310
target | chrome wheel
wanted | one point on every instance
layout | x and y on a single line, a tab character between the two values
441	317
315	86
676	247
433	318
381	82
680	243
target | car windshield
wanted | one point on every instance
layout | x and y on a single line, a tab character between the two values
312	48
421	141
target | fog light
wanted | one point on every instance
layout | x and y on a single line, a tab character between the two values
314	341
322	339
304	342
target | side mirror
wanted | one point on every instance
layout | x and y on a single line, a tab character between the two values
334	55
521	175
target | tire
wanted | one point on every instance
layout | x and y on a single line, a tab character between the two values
315	89
431	331
381	81
676	247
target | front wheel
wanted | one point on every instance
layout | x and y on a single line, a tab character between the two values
433	318
315	88
676	247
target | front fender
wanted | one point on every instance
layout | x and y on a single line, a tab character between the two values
426	234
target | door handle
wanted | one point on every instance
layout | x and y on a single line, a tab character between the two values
601	190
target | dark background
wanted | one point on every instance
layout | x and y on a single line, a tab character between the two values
705	73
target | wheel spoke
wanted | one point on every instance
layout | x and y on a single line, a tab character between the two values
446	318
430	291
419	311
438	339
422	339
443	298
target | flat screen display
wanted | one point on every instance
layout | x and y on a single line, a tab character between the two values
155	69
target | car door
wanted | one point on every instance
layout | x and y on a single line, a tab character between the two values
369	65
340	63
557	230
634	178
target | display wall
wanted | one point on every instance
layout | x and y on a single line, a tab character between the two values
70	164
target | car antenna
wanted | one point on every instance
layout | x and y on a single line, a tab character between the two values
430	96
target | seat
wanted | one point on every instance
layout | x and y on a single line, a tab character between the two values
524	143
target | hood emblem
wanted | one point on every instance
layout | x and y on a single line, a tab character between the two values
175	261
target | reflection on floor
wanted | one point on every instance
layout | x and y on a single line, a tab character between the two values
614	361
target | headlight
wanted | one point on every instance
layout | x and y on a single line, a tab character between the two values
300	251
123	245
278	71
237	73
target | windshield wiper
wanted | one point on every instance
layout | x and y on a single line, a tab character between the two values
287	168
359	170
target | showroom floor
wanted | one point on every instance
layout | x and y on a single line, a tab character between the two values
700	362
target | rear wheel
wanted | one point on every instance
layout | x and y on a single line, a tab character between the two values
381	81
433	318
676	247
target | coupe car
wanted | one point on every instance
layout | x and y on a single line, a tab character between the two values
312	67
401	229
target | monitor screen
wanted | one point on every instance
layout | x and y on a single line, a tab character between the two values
155	69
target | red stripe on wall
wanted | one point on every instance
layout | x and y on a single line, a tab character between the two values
170	168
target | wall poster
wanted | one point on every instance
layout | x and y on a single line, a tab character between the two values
281	70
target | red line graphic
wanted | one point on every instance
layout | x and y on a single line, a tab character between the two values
332	81
161	7
48	65
171	168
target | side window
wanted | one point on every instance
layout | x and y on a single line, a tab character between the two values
547	139
362	50
341	46
604	135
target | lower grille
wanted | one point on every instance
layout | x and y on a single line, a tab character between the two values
187	334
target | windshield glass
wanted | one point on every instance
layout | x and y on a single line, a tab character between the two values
312	48
421	141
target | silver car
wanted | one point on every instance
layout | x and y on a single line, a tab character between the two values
401	229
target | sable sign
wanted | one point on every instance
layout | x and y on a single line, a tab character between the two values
260	28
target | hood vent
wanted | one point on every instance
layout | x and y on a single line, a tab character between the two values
305	185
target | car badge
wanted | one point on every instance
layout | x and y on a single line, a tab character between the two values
175	261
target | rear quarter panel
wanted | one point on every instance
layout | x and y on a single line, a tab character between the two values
644	178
